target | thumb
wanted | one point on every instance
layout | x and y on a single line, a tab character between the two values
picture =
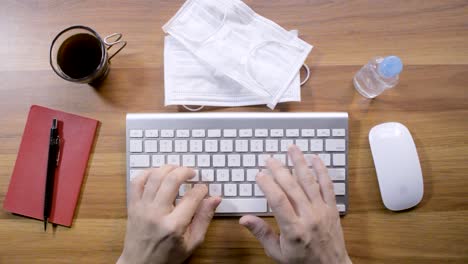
201	221
264	233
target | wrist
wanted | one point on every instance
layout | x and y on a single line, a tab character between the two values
122	260
347	260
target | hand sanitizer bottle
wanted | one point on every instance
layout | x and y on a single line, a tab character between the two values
377	76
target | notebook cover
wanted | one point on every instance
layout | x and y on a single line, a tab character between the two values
25	194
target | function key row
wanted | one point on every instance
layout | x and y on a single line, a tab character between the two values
233	133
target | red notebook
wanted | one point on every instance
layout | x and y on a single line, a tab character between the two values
25	194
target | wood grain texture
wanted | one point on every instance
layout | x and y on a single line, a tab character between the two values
432	100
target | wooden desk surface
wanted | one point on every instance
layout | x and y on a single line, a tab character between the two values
432	100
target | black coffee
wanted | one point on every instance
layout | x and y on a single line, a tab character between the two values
79	55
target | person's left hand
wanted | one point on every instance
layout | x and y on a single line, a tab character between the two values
158	231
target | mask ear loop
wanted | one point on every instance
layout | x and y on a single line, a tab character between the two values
247	68
223	21
306	68
193	109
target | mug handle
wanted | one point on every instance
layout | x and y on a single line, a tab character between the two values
110	43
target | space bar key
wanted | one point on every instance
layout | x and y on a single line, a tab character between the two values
242	206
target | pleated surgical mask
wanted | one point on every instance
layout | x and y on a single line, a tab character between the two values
189	81
230	37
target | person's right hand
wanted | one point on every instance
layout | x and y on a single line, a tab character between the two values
304	206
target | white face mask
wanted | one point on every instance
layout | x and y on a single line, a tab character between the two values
188	81
248	48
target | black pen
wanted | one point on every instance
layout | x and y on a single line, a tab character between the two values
52	162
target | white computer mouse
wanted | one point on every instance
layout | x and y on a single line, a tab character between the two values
397	164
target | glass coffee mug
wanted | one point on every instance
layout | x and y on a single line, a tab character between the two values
79	54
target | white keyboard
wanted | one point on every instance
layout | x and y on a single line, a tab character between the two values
227	150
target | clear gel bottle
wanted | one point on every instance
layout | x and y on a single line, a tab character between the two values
377	76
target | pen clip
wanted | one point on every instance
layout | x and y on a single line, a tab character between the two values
58	154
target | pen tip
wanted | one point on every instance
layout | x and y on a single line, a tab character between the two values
54	123
45	224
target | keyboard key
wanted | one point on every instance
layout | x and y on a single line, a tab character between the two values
258	191
271	145
280	157
237	175
242	145
234	160
180	145
188	160
292	132
158	160
323	132
266	172
325	158
184	188
222	175
167	133
196	146
219	160
248	160
339	188
136	133
207	175
165	145
316	145
226	145
183	133
139	161
256	145
245	189
341	208
303	144
230	133
198	133
135	173
203	160
136	145
339	160
337	174
251	174
262	159
290	162
151	133
308	158
211	145
196	178
173	160
308	132
230	189
285	143
245	133
261	132
215	189
151	146
335	145
243	205
214	133
276	133
338	132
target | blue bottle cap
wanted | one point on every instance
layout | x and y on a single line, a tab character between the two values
390	67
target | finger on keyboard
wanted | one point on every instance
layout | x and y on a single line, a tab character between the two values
171	184
326	187
306	179
278	201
